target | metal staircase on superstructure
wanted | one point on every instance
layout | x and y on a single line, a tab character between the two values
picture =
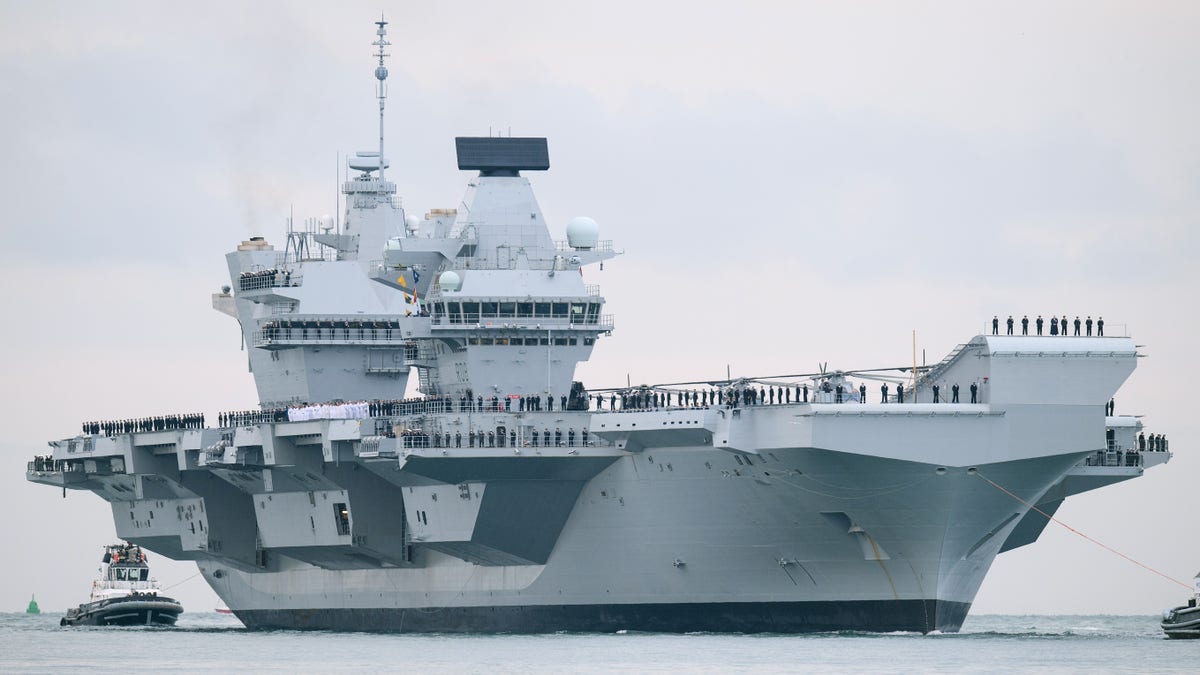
940	367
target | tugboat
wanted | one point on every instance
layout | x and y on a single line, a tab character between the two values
125	595
1184	620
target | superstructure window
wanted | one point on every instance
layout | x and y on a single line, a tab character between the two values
508	310
541	309
341	516
488	309
524	310
559	310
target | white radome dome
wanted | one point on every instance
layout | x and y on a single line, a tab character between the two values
450	281
326	222
411	223
583	233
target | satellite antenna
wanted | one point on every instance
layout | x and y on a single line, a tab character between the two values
381	74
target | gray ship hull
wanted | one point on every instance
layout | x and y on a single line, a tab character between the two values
796	540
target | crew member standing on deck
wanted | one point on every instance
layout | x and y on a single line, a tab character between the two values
1100	327
1010	324
974	391
1039	324
954	393
996	325
1025	325
1088	323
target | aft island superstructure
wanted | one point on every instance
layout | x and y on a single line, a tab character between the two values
510	497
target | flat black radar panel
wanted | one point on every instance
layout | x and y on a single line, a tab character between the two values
502	156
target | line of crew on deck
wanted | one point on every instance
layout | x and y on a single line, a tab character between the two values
1153	443
144	424
1057	327
45	463
627	400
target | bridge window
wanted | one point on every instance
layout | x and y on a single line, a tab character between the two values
471	312
541	309
524	310
488	309
559	310
508	310
341	516
577	309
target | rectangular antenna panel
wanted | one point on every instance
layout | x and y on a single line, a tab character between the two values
502	154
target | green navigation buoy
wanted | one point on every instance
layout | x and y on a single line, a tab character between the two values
32	608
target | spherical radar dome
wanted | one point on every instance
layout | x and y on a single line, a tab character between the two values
450	281
583	232
412	223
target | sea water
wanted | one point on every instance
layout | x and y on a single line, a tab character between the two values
211	642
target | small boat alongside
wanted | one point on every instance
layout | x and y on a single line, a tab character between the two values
1184	621
125	595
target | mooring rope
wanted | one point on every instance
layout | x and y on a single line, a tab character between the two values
178	583
1091	539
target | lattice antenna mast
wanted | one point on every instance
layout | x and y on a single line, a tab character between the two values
381	73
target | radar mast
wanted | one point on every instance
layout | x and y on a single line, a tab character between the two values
381	74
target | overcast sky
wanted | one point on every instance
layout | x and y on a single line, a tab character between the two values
793	183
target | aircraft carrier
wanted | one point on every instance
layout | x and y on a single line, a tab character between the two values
510	497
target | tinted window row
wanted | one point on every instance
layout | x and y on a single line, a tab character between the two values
474	312
531	341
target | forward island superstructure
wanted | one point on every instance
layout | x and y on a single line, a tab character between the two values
509	497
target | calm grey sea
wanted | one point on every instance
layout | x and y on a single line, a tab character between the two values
210	642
